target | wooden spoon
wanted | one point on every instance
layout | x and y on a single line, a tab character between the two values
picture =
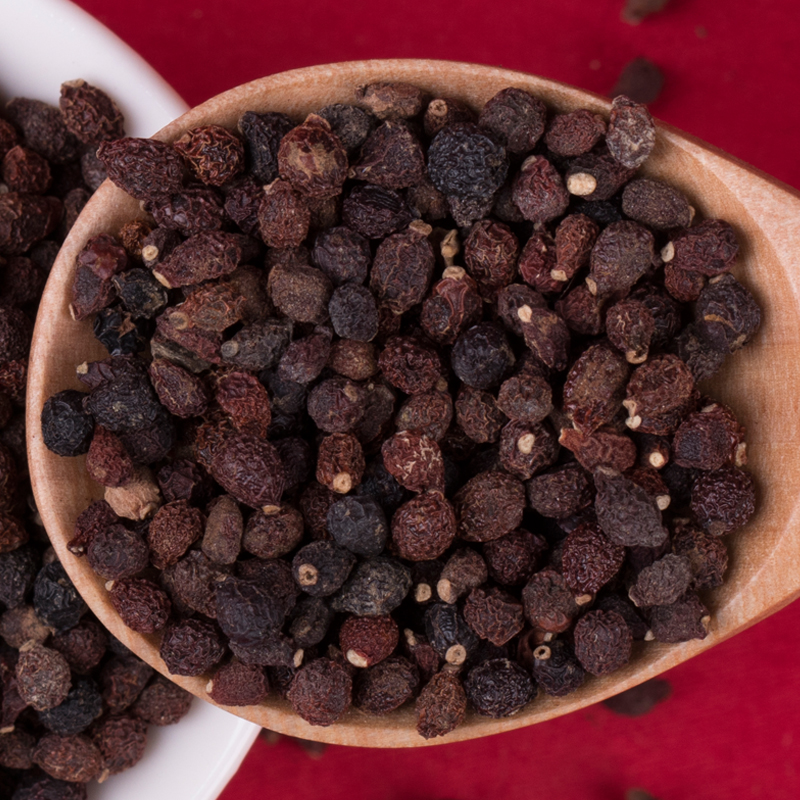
762	382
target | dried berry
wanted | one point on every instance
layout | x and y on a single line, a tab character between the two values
43	676
376	587
556	669
351	124
116	552
622	254
123	678
358	524
707	555
631	132
499	688
162	703
321	692
366	641
214	154
89	113
424	527
478	415
313	159
354	313
55	599
142	606
680	621
237	684
144	168
659	394
66	428
490	255
321	568
81	707
630	327
428	413
494	615
589	560
191	647
526	449
512	559
441	705
602	641
391	157
43	129
464	162
539	190
452	305
560	492
121	741
262	135
726	314
602	448
368	211
515	118
657	205
385	687
548	603
708	248
574	133
488	506
174	528
581	311
283	215
723	500
68	758
24	170
482	356
449	634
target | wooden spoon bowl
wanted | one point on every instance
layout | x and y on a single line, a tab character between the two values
761	382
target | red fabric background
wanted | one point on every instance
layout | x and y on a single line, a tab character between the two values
730	728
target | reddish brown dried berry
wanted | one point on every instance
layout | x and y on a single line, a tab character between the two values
490	255
515	119
414	461
321	692
428	413
313	159
494	615
723	500
381	689
173	529
441	706
116	552
631	132
627	514
391	157
424	527
202	257
144	168
43	676
180	392
246	402
121	741
191	647
547	335
489	506
83	646
526	449
272	535
726	314
581	310
683	285
452	306
575	237
589	560
709	248
601	448
464	571
574	133
355	360
248	468
707	554
301	293
123	679
25	171
107	461
16	748
602	641
709	439
663	582
595	387
539	190
143	607
410	364
162	703
478	415
537	261
391	99
623	253
89	113
214	154
630	327
68	758
283	215
659	394
238	684
680	621
337	405
512	559
366	641
340	462
26	219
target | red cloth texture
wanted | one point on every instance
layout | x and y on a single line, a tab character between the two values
731	728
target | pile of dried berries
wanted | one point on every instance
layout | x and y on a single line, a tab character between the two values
74	702
401	404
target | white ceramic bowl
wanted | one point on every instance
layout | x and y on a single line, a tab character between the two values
42	44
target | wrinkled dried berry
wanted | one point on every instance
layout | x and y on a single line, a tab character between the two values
494	615
526	449
574	133
726	314
358	524
162	703
539	190
191	647
488	506
627	514
121	741
366	641
499	688
424	527
659	394
490	255
116	552
452	305
66	428
656	204
144	168
237	684
262	135
391	157
214	154
81	707
707	554
548	603
631	132
441	705
55	599
68	758
482	356
313	159
43	676
385	687
321	692
589	560
680	621
556	669
602	642
723	500
478	415
142	606
512	559
376	587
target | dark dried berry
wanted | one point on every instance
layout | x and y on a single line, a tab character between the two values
55	599
680	621
270	535
24	170
723	500
415	461
25	219
249	611
43	129
444	111
547	336
489	506
630	327
373	212
499	688
515	119
337	405
202	257
214	154
574	133
699	355
191	647
602	448
539	190
490	255
283	215
478	415
627	514
342	254
180	392
321	692
631	132
452	305
526	449
512	558
709	248
358	524
602	641
118	333
441	705
449	634
66	428
376	587
162	703
548	603
709	439
142	606
560	492
116	552
350	123
321	568
391	157
726	314
385	687
310	620
707	554
262	135
144	168
663	582
89	113
622	254
556	669
589	560
659	394
237	684
427	413
43	676
354	313
123	678
174	528
656	204
121	741
581	311
410	364
81	707
301	293
466	163
83	646
190	211
482	356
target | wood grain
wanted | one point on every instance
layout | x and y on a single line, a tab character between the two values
762	382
